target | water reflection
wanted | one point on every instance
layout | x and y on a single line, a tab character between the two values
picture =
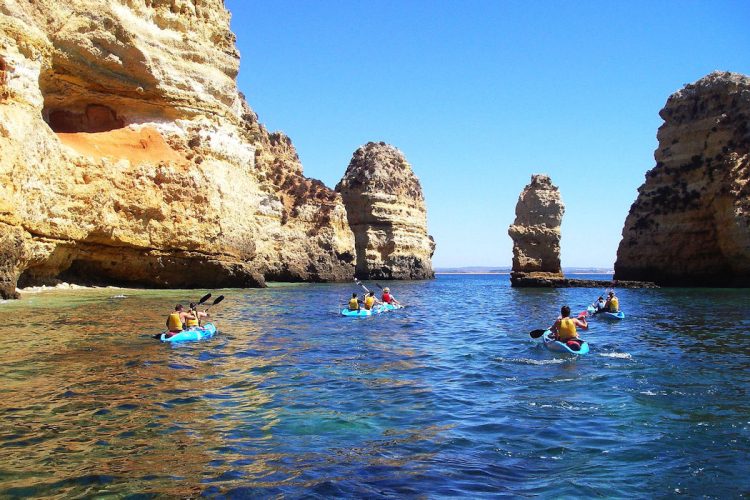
448	397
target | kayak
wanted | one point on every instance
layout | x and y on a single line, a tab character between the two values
557	346
605	314
380	308
191	334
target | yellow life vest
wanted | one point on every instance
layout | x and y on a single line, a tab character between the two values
193	322
174	323
353	305
614	305
567	329
369	301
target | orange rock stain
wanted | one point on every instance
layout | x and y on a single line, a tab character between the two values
142	146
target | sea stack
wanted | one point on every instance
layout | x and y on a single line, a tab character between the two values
130	157
536	235
690	225
386	211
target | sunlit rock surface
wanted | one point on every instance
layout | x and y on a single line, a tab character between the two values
690	225
386	210
128	156
536	234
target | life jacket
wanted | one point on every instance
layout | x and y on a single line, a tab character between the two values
566	330
193	322
369	301
387	297
174	323
353	304
614	305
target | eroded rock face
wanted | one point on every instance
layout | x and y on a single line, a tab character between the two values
690	225
536	234
386	211
130	157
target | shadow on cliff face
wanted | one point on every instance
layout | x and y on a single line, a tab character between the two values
104	266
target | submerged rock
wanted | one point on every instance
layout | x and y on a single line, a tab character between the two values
536	234
386	210
129	156
690	225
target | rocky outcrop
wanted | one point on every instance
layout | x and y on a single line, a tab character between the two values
386	210
690	225
536	234
129	156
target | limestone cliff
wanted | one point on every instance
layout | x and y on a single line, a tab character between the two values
690	224
127	155
386	210
536	234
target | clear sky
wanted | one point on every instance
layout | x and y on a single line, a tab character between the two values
481	94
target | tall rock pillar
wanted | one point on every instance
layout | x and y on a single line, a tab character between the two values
690	225
386	211
536	234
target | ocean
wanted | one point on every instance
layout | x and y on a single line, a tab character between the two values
448	397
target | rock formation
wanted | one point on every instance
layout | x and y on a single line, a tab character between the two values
536	234
128	155
386	211
690	225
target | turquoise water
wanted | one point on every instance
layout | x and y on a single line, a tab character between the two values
447	397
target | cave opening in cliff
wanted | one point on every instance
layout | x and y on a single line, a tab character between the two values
85	118
73	106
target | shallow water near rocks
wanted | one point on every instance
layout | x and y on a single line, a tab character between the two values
447	397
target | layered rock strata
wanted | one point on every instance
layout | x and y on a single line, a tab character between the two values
690	225
386	211
129	156
536	234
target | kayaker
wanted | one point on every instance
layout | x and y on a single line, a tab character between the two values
565	328
354	303
176	320
599	305
388	298
370	300
613	303
196	320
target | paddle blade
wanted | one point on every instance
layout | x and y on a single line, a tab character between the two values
204	298
535	334
217	300
379	286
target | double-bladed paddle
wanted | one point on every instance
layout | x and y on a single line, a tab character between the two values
535	334
216	301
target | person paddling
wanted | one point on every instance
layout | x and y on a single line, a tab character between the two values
565	328
176	320
599	305
370	300
613	303
388	298
354	303
196	320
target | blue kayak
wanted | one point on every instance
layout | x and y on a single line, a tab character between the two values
191	334
605	314
557	346
380	308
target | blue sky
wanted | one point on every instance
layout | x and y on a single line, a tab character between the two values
481	94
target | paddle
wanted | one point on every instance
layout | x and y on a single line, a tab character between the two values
216	301
535	334
360	284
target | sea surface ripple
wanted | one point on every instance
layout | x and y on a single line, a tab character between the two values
448	397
